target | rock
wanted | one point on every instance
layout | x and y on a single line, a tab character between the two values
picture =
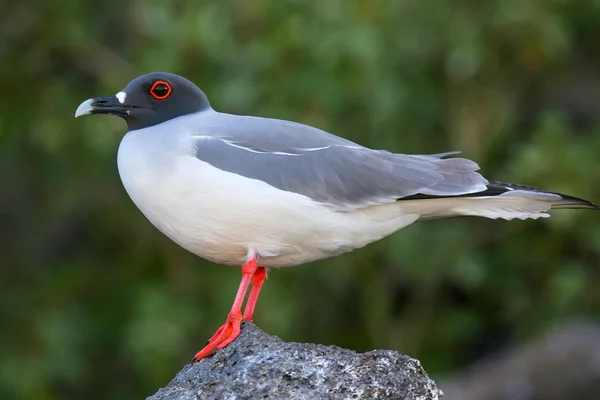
261	366
561	364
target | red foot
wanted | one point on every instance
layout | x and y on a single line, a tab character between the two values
231	330
257	281
224	335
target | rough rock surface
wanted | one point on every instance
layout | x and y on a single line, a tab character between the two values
260	366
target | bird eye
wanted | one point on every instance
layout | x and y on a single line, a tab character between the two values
160	90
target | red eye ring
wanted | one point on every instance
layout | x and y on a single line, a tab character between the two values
163	95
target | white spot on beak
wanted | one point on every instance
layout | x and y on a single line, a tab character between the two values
121	96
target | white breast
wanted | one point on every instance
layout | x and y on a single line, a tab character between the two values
220	216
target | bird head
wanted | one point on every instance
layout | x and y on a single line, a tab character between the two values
149	100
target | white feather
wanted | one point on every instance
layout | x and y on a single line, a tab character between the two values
222	216
121	96
518	204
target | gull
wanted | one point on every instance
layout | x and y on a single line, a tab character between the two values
261	193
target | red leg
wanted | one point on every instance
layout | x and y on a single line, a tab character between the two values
231	329
257	281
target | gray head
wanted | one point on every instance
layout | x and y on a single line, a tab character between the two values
149	100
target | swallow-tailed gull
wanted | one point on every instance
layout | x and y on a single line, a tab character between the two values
261	192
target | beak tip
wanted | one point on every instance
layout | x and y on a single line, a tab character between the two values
84	108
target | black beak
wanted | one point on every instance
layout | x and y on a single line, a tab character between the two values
103	105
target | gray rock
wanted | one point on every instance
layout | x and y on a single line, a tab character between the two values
260	366
563	363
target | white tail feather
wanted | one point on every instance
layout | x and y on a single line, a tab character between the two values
519	204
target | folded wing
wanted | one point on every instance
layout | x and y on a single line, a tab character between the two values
328	169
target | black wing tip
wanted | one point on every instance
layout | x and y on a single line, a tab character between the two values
566	202
498	188
574	203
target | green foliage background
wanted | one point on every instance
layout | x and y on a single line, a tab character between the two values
95	303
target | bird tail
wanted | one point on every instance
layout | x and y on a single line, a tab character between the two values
499	200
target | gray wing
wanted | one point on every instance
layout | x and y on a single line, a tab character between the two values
328	169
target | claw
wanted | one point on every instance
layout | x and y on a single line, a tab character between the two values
226	334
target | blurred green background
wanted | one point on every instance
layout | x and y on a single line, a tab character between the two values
95	303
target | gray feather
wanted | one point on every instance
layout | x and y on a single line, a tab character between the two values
324	167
